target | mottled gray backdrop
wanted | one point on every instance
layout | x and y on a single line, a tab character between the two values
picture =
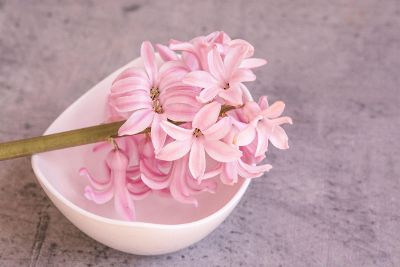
333	199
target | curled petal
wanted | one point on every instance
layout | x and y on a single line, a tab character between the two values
137	122
98	184
249	171
153	177
178	187
98	197
207	116
221	151
175	150
212	173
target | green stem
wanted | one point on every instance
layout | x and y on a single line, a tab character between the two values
78	137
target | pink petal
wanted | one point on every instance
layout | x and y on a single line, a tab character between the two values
242	75
184	99
246	136
221	151
201	79
246	93
279	138
208	94
99	197
130	84
158	136
206	116
282	120
248	49
229	174
178	187
263	102
263	133
251	171
251	110
166	53
275	110
152	177
123	204
131	73
149	61
250	63
175	150
176	132
218	130
132	103
180	112
215	65
98	184
212	173
191	61
233	58
197	159
137	122
181	46
233	95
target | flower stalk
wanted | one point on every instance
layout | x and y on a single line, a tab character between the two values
77	137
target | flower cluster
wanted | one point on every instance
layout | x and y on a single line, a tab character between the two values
189	121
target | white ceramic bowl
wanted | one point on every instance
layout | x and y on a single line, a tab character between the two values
163	225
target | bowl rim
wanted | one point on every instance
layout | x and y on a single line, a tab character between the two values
45	183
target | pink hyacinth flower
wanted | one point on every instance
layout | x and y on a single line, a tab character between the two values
183	186
148	97
264	122
224	78
122	181
204	136
244	167
114	186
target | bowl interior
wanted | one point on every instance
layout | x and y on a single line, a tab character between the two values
59	169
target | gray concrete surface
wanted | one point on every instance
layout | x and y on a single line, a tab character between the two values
333	199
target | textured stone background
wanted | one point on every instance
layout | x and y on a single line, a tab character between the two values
333	199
